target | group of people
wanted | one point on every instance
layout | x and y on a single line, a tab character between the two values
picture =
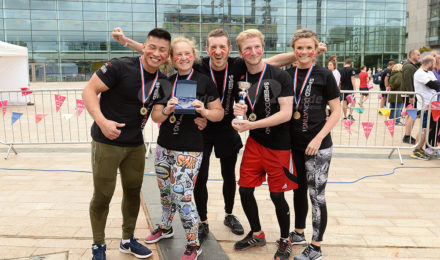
284	111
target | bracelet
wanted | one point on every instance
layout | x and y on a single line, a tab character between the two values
163	112
126	42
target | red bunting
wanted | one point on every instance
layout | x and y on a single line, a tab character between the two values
39	117
390	125
59	100
435	110
24	92
367	126
347	125
80	106
4	105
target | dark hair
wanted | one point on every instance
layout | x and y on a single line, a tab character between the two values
160	33
363	67
217	33
348	61
391	63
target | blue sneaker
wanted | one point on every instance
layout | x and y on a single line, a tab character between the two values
98	252
134	248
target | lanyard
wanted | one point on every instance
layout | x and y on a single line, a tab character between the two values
175	81
295	78
153	85
224	79
252	104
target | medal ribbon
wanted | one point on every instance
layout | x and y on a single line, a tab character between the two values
224	79
258	88
153	85
295	78
175	81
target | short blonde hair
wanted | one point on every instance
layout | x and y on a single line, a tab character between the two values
304	33
247	34
189	42
397	67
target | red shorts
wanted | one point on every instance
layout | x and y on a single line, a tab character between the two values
259	160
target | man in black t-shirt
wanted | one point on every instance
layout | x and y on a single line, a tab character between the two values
384	83
348	82
129	88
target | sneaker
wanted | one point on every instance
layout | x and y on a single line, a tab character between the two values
203	231
234	224
133	247
158	234
399	124
297	238
98	251
350	117
310	253
408	139
284	249
344	118
249	241
192	252
417	154
423	152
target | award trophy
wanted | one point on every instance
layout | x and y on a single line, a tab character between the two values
243	85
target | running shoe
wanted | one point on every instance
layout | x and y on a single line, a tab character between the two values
297	238
350	117
98	252
284	249
399	124
408	139
158	234
234	224
417	154
133	247
249	241
192	252
203	231
310	253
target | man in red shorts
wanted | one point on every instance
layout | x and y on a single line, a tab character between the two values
268	107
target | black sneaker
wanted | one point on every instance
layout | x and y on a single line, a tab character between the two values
98	252
408	139
234	224
351	118
250	241
284	249
297	238
203	231
310	253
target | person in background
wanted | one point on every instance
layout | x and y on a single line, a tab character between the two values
384	84
364	78
396	100
348	82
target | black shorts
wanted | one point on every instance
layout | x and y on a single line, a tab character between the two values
383	88
364	89
344	96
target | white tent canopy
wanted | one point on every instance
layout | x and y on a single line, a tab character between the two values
14	73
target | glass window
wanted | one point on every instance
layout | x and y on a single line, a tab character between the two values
17	24
94	6
43	14
71	15
71	25
13	13
142	27
97	36
143	17
71	35
17	4
95	26
120	7
126	26
120	16
40	36
95	16
44	25
71	46
43	5
45	46
70	5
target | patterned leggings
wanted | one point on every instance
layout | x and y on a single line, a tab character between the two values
176	174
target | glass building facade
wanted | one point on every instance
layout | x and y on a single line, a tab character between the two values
434	23
69	39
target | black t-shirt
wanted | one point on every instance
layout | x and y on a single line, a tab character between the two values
386	73
184	135
236	69
346	74
276	83
121	103
320	88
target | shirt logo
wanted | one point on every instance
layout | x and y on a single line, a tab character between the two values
285	186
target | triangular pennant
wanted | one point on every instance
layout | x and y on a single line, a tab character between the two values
360	110
4	105
349	98
24	91
66	116
80	106
385	111
39	117
409	106
59	100
435	110
390	125
412	113
368	126
347	125
15	117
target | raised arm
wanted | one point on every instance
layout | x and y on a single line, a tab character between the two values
119	36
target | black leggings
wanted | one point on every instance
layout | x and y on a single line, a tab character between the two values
227	165
250	208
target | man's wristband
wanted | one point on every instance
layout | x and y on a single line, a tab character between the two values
126	42
163	112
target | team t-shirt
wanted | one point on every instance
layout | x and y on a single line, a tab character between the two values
320	88
421	77
363	78
346	74
275	83
122	102
184	135
386	73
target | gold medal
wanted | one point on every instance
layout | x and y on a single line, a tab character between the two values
143	111
296	115
252	117
172	119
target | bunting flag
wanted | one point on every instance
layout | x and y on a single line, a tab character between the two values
4	105
385	111
66	116
347	125
403	114
15	117
435	110
24	91
350	98
390	125
409	106
39	117
360	110
368	126
379	96
59	100
412	113
80	106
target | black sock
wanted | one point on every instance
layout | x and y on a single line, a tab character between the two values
317	248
